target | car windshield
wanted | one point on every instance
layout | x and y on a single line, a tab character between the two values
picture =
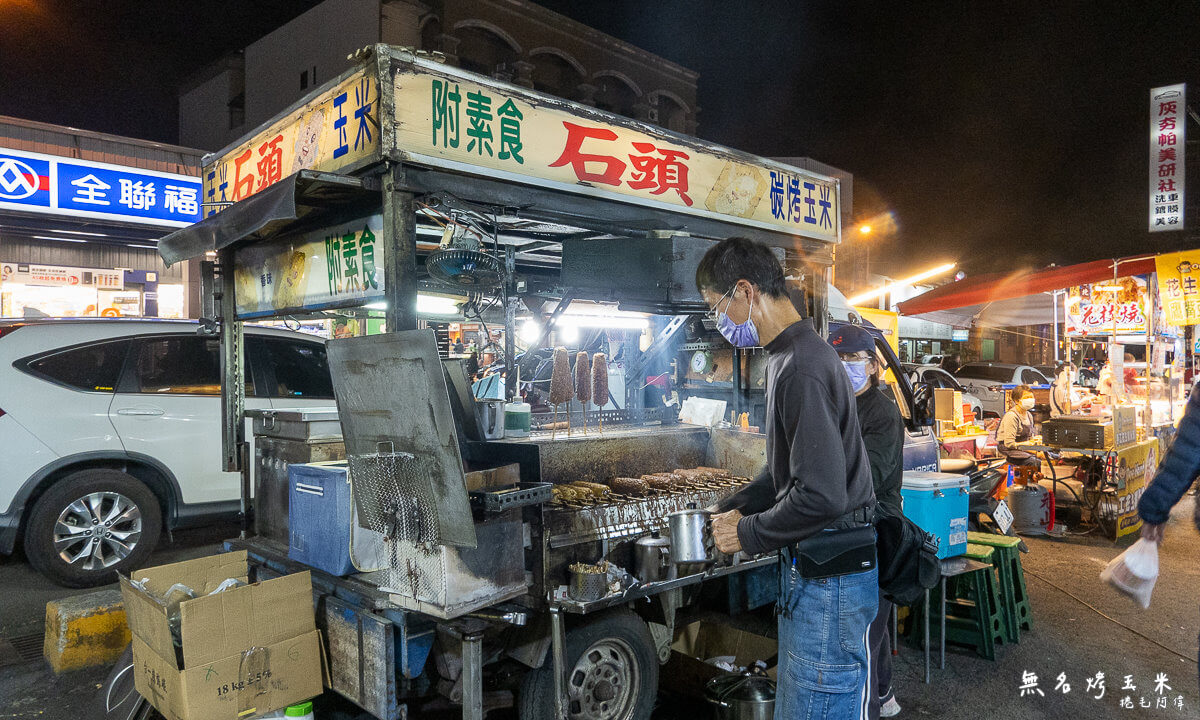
986	372
944	378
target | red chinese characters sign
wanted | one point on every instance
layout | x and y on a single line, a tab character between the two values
1167	145
465	124
1093	309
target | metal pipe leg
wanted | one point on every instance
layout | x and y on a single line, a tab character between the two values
472	677
895	630
927	675
558	643
942	664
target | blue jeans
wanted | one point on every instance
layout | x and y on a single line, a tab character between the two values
824	658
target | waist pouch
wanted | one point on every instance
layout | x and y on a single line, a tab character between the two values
836	552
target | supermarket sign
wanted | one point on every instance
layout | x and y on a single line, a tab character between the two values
59	276
49	184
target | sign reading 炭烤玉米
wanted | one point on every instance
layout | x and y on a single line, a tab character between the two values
1168	121
38	183
336	129
451	121
1136	465
336	266
1179	286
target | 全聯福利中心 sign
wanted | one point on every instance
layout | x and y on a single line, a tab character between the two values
38	183
1168	119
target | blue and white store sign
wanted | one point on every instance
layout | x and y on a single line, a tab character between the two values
33	182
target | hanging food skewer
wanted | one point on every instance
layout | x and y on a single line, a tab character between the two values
600	383
561	388
583	383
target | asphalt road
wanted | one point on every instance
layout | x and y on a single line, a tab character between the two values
1081	628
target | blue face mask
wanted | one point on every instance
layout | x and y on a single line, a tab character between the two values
744	335
857	370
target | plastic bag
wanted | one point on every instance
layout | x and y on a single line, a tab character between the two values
1134	571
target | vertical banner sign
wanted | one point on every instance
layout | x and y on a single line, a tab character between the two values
1168	115
1179	286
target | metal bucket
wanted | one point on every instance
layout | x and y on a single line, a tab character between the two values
690	534
587	587
749	696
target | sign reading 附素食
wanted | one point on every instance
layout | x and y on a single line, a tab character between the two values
465	123
337	266
501	132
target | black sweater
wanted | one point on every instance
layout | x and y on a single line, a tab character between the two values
883	434
817	468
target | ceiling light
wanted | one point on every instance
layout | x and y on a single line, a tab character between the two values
59	239
932	272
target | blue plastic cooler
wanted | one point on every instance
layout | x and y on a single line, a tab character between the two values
322	528
937	503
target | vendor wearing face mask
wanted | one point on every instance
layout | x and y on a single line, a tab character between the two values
883	435
1017	426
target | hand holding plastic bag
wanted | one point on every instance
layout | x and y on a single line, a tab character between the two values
1134	571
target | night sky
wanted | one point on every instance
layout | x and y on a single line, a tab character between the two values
998	134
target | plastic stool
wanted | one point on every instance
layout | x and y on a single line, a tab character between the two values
973	618
1007	560
987	554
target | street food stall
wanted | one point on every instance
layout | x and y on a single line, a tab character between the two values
1109	426
557	559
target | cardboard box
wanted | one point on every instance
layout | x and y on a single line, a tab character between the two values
948	405
687	672
246	651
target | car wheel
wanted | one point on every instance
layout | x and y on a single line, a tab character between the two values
91	525
117	698
978	412
613	673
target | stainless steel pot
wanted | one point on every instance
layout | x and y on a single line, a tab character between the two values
651	558
748	696
690	536
587	586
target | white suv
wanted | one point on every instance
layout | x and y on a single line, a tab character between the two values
110	430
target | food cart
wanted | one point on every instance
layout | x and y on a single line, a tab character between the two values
404	175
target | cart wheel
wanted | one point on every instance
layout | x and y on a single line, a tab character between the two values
613	673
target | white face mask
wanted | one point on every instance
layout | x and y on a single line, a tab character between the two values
1027	403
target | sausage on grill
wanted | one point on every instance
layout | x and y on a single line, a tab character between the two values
628	486
583	378
600	379
560	379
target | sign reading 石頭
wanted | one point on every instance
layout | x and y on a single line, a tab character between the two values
336	266
501	132
1093	309
59	276
34	182
335	130
1168	120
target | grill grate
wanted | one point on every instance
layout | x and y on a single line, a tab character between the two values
390	497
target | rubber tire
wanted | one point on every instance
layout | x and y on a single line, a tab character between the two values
39	545
535	700
117	700
978	412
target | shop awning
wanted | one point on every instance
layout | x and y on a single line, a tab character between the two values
1012	299
267	212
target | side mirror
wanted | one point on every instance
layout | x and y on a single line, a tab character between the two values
922	409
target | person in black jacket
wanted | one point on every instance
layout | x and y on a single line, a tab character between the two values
883	435
815	494
1179	469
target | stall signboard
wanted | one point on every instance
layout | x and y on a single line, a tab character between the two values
333	131
59	276
52	185
1179	286
465	123
336	266
1136	465
1091	310
1168	122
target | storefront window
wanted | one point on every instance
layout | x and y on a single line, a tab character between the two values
170	301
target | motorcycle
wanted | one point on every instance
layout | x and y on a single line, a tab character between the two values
986	513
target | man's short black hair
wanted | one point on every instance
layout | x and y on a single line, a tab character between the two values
739	258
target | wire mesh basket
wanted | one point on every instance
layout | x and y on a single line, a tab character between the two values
390	497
